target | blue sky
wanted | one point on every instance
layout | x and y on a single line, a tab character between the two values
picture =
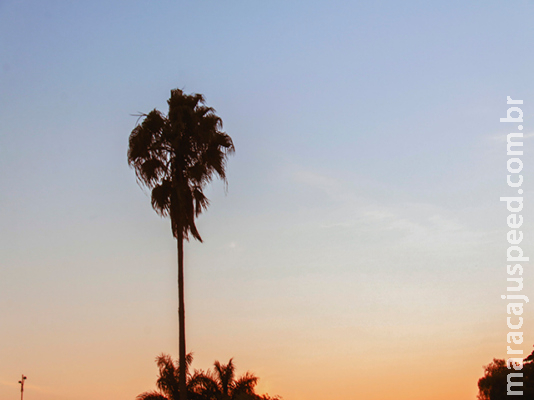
362	207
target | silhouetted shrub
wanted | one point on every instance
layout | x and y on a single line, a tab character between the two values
219	384
493	385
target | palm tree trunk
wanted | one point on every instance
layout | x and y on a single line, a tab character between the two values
181	319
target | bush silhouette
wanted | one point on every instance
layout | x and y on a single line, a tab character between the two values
217	384
493	385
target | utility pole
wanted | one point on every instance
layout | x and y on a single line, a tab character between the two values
22	386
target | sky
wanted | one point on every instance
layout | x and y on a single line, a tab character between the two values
359	250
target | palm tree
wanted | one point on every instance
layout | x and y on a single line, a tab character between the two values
167	383
222	385
176	156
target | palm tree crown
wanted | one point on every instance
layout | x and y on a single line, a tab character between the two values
177	155
221	384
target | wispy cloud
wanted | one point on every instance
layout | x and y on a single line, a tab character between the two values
403	223
501	137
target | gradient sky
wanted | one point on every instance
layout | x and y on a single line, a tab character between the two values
359	252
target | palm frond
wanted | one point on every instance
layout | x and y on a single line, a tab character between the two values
140	142
154	122
168	372
161	198
151	170
151	396
225	375
189	359
246	383
201	201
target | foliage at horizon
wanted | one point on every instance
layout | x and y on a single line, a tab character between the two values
493	385
220	383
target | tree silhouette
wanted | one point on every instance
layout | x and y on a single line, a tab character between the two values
168	381
176	156
493	385
219	384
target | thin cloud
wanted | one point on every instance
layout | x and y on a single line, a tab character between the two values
501	137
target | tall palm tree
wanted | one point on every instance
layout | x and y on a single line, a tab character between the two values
176	156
